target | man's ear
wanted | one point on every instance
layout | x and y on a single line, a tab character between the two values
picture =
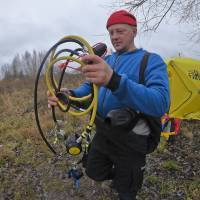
134	31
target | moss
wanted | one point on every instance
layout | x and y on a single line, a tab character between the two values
162	145
153	179
171	165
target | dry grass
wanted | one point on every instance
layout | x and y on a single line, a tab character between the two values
28	170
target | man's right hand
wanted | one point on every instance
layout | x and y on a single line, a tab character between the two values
52	100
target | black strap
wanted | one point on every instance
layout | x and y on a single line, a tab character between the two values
143	66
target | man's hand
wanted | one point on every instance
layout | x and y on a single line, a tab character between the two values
96	70
52	100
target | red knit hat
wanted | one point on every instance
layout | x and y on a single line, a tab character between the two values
121	17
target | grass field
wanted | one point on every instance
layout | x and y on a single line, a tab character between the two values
28	170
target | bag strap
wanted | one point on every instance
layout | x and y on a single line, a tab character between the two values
143	66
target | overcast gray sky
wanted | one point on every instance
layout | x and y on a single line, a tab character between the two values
38	24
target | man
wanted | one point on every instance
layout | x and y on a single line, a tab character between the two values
115	153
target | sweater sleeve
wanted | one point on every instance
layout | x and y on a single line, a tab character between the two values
151	98
83	90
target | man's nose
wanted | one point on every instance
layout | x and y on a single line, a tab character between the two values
114	36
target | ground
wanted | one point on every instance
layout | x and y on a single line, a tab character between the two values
28	170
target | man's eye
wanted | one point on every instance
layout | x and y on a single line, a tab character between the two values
120	31
111	32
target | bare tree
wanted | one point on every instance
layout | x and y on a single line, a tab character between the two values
16	66
6	71
31	62
26	64
151	13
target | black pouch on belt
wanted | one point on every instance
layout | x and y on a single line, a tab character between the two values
122	119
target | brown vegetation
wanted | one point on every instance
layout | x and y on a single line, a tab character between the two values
28	170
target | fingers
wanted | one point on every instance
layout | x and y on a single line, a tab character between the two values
90	68
93	77
93	63
91	74
91	59
96	70
48	93
52	100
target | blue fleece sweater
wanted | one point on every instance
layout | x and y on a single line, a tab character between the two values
151	98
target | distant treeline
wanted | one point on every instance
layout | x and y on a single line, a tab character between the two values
26	64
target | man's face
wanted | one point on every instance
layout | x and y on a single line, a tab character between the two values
122	36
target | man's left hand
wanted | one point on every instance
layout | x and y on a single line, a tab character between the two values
96	70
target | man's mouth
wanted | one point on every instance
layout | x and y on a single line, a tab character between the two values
117	43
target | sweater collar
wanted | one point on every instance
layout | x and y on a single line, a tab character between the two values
128	52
